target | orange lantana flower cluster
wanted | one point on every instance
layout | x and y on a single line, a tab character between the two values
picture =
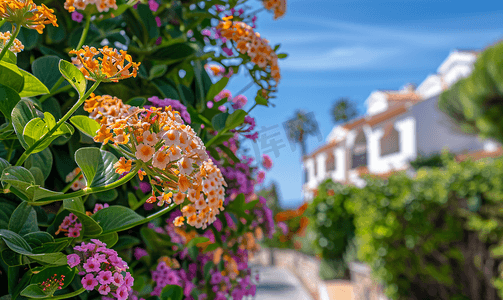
28	14
16	47
108	68
278	6
248	41
101	5
170	153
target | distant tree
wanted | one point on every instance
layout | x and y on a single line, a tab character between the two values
300	127
271	194
343	110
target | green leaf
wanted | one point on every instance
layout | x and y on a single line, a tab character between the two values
11	258
193	252
137	101
126	242
11	76
282	55
197	240
32	86
173	52
172	292
117	218
19	178
45	68
217	88
261	101
157	71
235	119
10	57
74	204
207	268
54	259
109	238
107	196
36	192
73	75
43	275
166	88
8	100
86	125
42	160
15	242
97	166
34	291
22	113
131	199
52	247
229	153
37	238
89	225
219	121
38	128
23	219
37	174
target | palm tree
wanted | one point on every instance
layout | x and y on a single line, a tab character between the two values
343	110
300	127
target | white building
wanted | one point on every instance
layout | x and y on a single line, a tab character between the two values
397	127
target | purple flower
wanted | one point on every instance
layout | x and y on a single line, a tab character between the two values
89	282
153	5
189	286
118	279
139	253
239	101
73	260
218	225
104	289
227	51
105	277
77	17
252	137
122	293
206	32
158	41
283	227
175	104
209	104
74	232
92	265
222	108
158	21
128	280
216	278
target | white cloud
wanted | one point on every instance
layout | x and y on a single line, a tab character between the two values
336	45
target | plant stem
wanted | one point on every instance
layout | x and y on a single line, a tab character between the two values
52	92
60	122
9	154
139	204
89	190
68	186
84	33
3	22
69	295
11	41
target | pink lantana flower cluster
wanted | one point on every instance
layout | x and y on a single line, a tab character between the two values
102	269
71	225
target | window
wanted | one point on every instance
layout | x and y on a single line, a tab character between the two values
330	161
390	142
305	176
315	168
359	152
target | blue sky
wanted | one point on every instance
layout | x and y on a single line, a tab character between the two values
349	48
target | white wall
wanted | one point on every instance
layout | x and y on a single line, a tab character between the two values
376	103
311	179
436	130
321	159
340	164
406	127
430	87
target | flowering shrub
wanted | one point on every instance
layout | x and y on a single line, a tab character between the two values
109	121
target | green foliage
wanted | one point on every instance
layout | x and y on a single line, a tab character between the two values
437	160
334	223
419	235
474	103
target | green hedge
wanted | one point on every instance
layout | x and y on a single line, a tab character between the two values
438	236
335	229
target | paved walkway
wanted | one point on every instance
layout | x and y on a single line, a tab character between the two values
277	284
